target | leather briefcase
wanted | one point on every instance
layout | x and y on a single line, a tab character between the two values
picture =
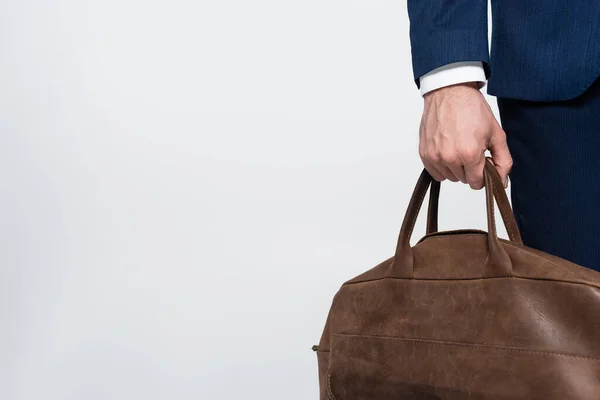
464	315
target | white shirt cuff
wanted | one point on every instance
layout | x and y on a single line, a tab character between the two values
452	74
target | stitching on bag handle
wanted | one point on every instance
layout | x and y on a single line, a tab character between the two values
510	234
492	208
505	217
493	213
414	219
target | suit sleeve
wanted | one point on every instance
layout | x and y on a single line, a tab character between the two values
447	31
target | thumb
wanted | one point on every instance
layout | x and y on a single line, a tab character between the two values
501	157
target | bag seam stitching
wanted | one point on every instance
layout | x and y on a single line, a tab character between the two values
330	393
592	286
443	343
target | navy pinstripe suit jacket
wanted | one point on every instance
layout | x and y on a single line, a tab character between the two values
545	50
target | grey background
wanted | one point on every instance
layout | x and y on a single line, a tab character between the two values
185	185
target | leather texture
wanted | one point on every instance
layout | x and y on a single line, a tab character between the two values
541	50
464	315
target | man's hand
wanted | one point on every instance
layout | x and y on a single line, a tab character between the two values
457	127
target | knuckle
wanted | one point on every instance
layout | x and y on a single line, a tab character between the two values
434	157
454	160
449	157
471	155
500	134
429	159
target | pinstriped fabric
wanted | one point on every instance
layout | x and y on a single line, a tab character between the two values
544	50
556	174
447	31
541	50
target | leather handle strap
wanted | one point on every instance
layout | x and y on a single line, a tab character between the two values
498	262
501	199
432	210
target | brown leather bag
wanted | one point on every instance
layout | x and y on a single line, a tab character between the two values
464	315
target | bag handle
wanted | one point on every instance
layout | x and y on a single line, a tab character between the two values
501	199
497	263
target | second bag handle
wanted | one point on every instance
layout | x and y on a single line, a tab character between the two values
498	263
501	199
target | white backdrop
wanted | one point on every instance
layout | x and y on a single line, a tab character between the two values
185	185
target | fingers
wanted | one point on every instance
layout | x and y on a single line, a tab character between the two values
501	157
459	172
440	171
433	171
457	127
447	172
470	172
474	173
464	164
